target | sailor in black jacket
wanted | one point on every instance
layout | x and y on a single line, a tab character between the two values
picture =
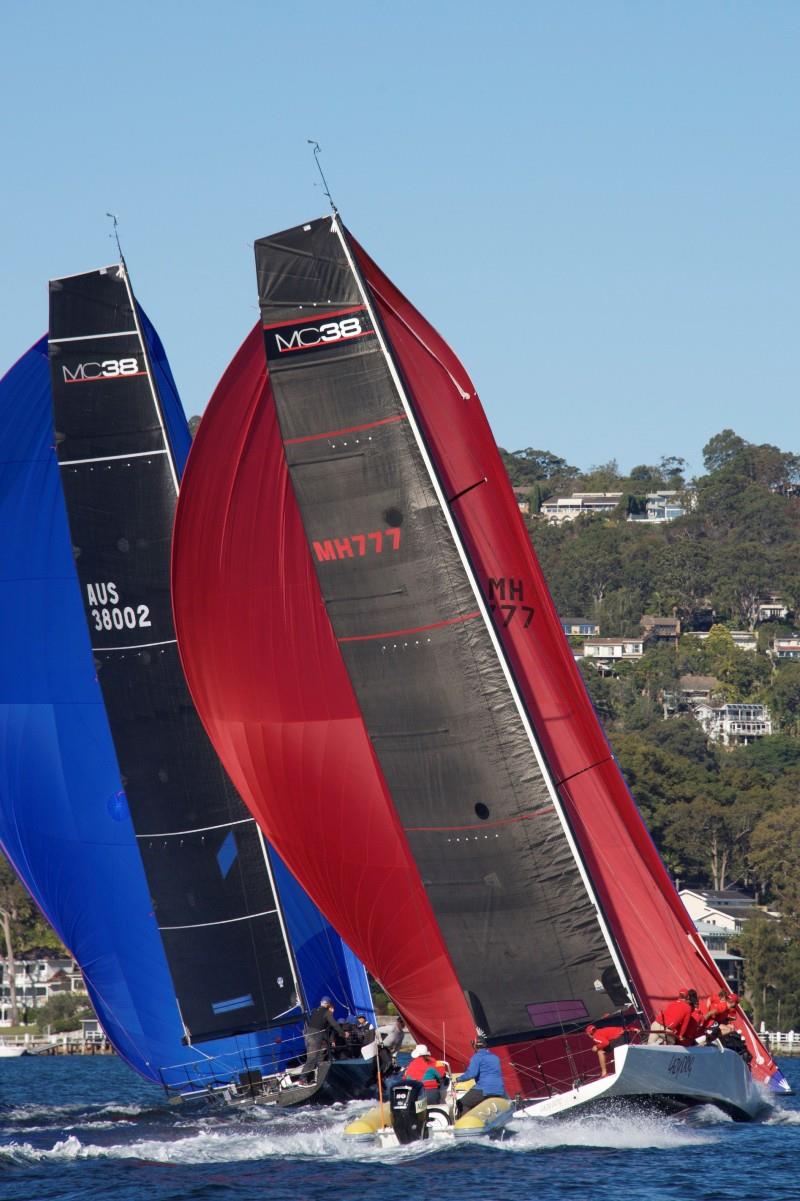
317	1033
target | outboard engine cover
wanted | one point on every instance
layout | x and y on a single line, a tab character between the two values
409	1110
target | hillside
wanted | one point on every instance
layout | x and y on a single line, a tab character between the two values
720	816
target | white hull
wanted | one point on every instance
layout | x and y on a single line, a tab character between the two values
667	1079
8	1050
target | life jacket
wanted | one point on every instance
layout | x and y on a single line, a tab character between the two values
424	1070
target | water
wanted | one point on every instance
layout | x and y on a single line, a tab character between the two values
85	1128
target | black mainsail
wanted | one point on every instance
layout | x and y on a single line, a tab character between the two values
484	822
205	859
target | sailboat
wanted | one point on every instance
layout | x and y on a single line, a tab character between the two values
346	530
199	951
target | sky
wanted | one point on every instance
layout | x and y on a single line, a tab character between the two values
595	202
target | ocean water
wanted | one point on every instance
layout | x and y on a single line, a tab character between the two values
84	1128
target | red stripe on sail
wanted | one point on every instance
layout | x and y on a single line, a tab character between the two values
352	429
435	625
319	314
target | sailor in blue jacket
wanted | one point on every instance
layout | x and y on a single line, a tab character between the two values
484	1068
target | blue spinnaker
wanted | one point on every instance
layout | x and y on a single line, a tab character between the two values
64	821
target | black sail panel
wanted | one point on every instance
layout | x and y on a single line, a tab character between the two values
203	855
491	849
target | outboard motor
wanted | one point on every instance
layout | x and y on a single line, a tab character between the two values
409	1110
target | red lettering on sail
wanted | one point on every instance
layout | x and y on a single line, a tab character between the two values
374	542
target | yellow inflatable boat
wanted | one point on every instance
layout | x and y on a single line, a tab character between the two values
408	1117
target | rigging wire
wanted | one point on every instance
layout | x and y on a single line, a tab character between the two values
317	152
115	235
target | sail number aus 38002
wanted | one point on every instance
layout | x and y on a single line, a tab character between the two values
108	614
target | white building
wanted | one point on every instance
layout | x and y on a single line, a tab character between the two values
727	961
786	648
772	608
610	649
725	910
660	507
567	508
734	724
37	980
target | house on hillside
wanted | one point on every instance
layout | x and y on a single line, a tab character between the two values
605	651
37	979
660	507
662	630
772	608
733	724
695	690
717	940
727	909
785	648
567	508
579	627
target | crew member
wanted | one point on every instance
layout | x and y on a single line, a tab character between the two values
423	1067
604	1038
320	1025
364	1032
668	1026
693	1026
393	1035
486	1073
720	1010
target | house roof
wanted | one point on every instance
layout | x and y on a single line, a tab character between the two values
727	896
611	640
699	683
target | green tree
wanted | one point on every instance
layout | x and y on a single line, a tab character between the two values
784	697
63	1012
772	966
15	907
722	449
775	857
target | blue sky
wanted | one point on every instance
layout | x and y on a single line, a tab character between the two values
595	202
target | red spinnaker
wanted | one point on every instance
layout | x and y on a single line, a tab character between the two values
269	682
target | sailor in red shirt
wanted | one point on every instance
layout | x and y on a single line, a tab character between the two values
675	1021
721	1010
605	1037
692	1026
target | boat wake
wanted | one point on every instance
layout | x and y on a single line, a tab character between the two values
152	1136
624	1132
